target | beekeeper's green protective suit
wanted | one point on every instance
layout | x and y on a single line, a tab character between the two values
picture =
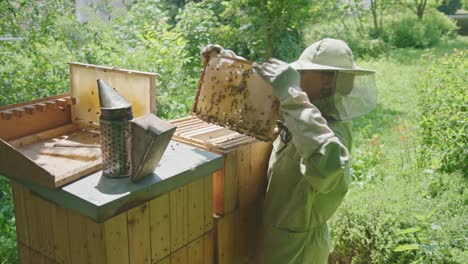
309	174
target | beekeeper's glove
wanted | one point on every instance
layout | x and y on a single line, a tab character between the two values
215	48
280	75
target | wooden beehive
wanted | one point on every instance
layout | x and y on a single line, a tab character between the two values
238	189
232	95
35	137
175	227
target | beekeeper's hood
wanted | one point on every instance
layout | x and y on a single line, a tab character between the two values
354	92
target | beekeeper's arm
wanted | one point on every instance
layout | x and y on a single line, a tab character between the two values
323	155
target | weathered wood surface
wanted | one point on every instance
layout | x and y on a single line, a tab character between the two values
49	233
38	159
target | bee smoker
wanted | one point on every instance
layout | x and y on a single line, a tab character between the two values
116	113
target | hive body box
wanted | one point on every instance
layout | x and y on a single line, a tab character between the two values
239	187
176	227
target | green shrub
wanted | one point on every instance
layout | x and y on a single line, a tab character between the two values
413	220
444	114
408	31
8	251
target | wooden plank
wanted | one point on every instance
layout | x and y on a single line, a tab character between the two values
208	248
116	239
44	240
28	169
218	192
78	238
96	242
208	181
231	182
180	256
247	191
139	234
60	229
29	201
195	251
24	255
136	87
160	228
22	230
248	229
178	217
196	208
226	234
260	156
33	121
164	261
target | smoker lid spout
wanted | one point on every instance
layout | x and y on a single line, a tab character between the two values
113	105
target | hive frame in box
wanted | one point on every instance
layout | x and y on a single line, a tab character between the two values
230	94
28	128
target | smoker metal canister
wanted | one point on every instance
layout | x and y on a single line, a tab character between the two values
116	113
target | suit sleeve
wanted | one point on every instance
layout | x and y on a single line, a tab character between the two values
323	154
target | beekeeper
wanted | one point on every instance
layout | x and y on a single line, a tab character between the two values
308	173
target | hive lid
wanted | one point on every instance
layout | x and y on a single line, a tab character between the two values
232	95
138	88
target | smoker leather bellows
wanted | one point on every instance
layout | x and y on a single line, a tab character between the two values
116	113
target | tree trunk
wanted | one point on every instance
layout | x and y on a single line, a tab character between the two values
375	17
420	8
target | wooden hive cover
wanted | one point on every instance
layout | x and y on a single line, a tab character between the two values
136	87
196	132
232	95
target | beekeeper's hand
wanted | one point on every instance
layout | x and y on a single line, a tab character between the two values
215	48
280	75
211	48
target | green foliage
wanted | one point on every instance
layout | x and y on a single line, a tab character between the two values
449	7
444	113
411	32
403	221
8	252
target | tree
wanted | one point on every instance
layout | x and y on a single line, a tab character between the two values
419	7
449	7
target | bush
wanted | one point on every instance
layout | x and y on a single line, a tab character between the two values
444	113
413	220
410	32
8	251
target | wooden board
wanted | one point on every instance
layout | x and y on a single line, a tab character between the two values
116	239
196	132
142	234
232	95
138	234
137	87
160	228
25	119
39	159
